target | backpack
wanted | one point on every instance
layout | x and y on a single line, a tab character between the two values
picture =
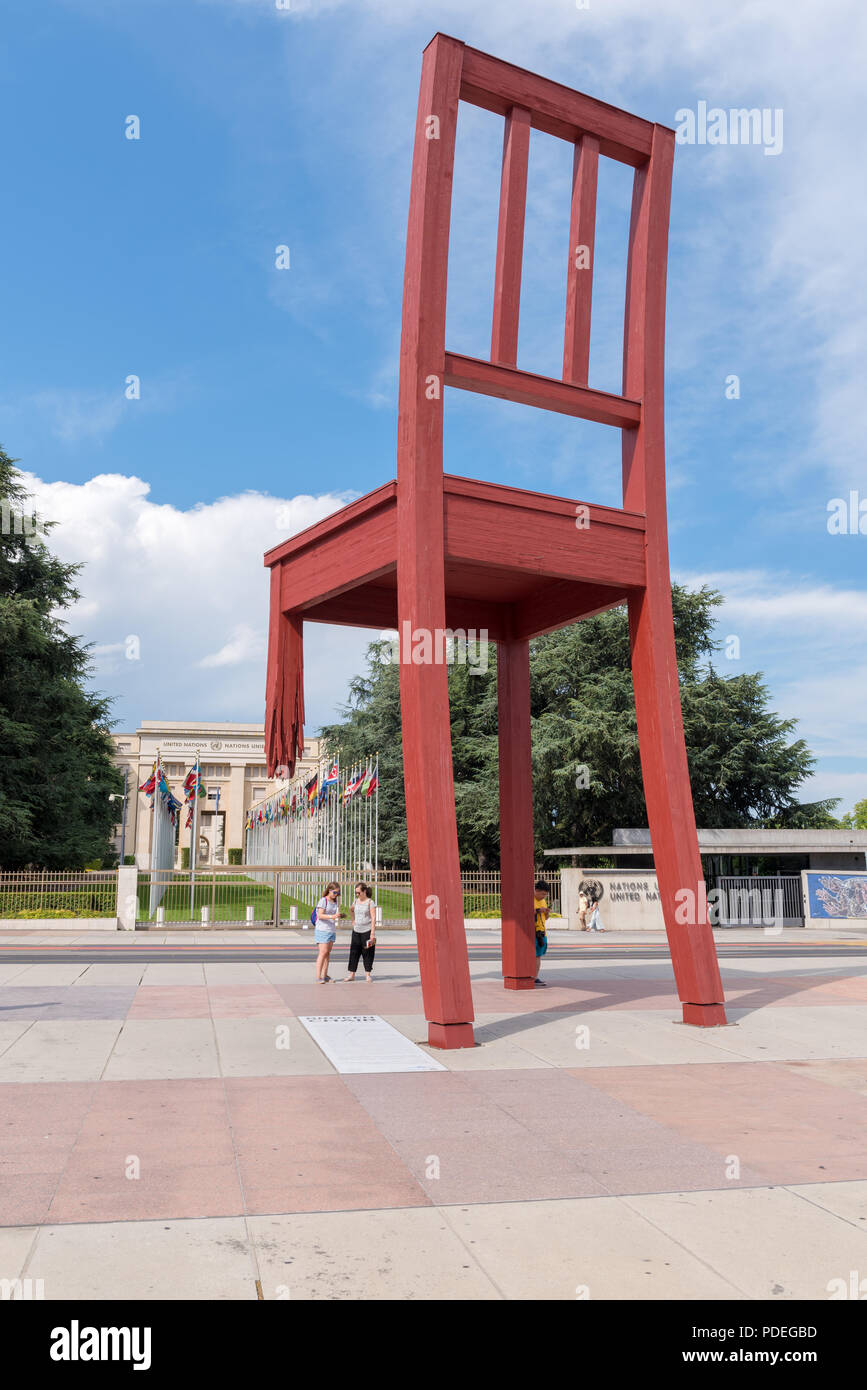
313	917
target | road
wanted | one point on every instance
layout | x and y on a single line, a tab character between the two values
30	952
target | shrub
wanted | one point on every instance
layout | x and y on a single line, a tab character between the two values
185	856
129	859
236	856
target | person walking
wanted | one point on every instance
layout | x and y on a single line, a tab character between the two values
363	941
542	912
595	922
325	933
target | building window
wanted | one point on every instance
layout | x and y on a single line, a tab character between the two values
257	770
258	793
216	770
174	769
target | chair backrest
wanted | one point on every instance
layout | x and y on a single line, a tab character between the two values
452	72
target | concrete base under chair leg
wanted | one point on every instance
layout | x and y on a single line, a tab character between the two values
449	1035
705	1015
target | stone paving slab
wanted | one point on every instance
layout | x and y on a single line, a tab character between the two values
257	1047
207	1259
498	1176
60	1050
407	1254
597	1249
160	1048
769	1243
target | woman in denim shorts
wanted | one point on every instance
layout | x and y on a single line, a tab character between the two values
325	934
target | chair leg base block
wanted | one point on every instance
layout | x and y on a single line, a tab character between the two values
519	982
450	1035
705	1015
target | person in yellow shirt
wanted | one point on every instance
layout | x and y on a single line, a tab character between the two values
542	912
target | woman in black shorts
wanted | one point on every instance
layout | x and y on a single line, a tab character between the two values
363	941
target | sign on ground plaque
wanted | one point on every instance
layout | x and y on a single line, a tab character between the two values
366	1043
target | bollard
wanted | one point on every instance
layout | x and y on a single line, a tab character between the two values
251	913
161	916
206	914
377	917
293	916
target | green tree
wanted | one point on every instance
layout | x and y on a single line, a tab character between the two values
56	769
856	819
745	767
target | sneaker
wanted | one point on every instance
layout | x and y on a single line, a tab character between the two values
541	983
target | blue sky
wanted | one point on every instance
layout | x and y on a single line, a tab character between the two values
268	396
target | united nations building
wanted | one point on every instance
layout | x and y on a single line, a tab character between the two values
232	761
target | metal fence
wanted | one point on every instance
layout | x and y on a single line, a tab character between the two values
234	895
285	895
760	900
42	893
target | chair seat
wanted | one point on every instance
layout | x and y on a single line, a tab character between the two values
517	562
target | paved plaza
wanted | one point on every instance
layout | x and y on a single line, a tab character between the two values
171	1130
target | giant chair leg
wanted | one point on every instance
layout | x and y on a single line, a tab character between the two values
516	814
670	812
434	864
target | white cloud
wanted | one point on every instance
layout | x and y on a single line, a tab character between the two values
768	600
244	645
176	601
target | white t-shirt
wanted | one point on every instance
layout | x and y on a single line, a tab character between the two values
362	914
325	905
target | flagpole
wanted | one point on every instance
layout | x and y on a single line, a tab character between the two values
194	830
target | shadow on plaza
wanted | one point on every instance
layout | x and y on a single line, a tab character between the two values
743	997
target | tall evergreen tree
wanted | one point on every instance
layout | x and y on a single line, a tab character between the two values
745	767
56	769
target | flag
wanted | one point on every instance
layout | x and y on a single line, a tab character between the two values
374	782
369	782
352	786
193	787
332	777
157	783
311	789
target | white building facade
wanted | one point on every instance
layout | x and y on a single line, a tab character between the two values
234	772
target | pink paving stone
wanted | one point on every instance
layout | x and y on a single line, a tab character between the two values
247	1001
502	1136
174	1191
170	1001
495	1170
38	1125
25	1198
781	1124
163	1122
44	1107
305	1144
379	997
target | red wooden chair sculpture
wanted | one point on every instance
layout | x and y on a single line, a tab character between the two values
431	552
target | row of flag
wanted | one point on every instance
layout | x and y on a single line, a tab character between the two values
157	784
314	795
193	788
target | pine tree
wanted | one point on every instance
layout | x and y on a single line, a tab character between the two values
745	767
56	769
